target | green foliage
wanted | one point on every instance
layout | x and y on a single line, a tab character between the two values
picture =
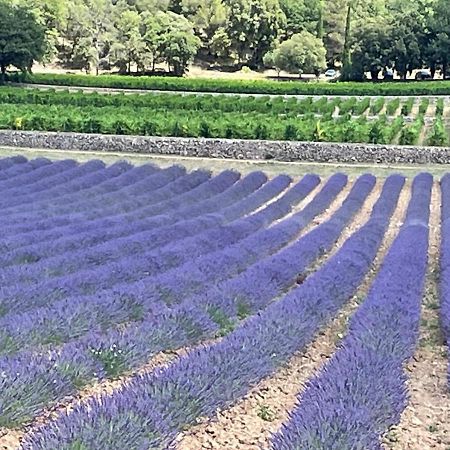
226	325
347	106
392	107
112	360
253	26
361	107
302	15
407	107
410	133
423	107
204	116
238	86
439	136
440	106
371	53
302	53
142	35
22	38
377	106
377	132
266	413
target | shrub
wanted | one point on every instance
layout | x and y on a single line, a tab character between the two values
438	136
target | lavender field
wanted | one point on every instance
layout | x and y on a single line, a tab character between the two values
159	308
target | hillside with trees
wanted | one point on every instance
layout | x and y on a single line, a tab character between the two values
298	36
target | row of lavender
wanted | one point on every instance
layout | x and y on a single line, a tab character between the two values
362	391
28	371
188	290
154	407
263	218
445	262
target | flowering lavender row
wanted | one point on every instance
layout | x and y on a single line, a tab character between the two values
150	233
156	406
42	178
65	192
445	261
74	317
41	368
152	201
10	170
362	391
194	187
26	182
70	195
129	202
200	317
131	268
21	168
157	180
8	162
243	193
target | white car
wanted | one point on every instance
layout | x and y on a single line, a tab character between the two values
330	73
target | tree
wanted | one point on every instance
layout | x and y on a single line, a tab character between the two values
128	46
406	49
410	23
302	53
302	15
209	20
50	14
87	34
334	30
180	44
22	39
372	51
253	26
438	48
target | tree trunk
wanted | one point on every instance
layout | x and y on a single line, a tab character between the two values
374	74
346	58
319	30
433	71
3	73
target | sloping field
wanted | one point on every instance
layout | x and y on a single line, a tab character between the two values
150	308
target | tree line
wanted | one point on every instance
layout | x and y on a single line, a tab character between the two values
299	36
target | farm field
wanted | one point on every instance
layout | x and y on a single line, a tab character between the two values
378	120
158	307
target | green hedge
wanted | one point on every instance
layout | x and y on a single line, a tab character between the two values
240	86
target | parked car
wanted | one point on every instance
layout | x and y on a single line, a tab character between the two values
331	74
423	74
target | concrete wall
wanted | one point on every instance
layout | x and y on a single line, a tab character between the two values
224	148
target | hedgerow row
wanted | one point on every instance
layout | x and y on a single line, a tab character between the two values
239	86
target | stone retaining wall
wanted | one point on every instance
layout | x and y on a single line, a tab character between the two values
224	148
